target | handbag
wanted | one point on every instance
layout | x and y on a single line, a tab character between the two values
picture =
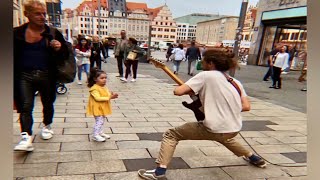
132	56
172	57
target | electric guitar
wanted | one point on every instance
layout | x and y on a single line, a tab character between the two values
196	104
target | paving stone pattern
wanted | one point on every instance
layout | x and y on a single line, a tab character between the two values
144	110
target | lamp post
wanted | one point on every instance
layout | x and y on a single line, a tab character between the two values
238	36
99	16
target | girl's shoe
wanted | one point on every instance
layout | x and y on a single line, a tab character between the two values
98	138
105	136
123	79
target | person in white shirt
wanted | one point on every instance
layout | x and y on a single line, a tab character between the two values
280	63
179	55
222	105
83	53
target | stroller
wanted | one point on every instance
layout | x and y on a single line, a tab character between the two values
60	89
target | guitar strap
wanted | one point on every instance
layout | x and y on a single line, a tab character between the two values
230	80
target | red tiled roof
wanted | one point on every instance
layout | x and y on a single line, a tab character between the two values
91	3
154	12
133	6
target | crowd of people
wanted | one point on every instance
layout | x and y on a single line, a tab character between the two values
223	98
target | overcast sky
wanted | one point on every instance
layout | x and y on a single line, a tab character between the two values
185	7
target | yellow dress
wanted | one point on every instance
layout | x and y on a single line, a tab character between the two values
99	101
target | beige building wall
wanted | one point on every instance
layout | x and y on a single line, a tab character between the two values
215	31
164	28
138	25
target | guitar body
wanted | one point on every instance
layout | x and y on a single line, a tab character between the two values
196	104
195	107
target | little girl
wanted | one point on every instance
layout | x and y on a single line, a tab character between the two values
99	102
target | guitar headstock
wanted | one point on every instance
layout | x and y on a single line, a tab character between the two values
157	63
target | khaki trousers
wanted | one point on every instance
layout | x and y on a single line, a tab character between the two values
196	131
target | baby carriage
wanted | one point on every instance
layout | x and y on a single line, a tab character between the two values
60	89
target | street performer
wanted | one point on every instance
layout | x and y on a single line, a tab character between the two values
222	106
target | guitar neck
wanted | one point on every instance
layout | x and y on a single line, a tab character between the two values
173	76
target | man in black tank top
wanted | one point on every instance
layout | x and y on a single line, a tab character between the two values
35	67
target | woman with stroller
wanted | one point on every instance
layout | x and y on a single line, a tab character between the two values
83	54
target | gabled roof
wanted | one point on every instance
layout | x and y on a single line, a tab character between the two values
91	4
135	6
153	12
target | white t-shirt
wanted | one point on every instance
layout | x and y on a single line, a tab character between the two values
282	61
221	102
179	54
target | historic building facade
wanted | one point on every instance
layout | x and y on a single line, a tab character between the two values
215	31
187	25
138	21
164	28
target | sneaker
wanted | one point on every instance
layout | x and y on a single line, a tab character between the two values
25	144
272	87
133	80
124	79
98	138
284	72
256	161
46	132
79	83
304	89
150	175
105	136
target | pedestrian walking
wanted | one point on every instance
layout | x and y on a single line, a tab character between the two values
99	104
119	51
280	63
96	50
179	55
222	103
83	53
303	75
133	52
270	63
36	53
169	52
106	47
192	55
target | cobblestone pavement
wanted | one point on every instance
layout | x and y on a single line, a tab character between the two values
144	110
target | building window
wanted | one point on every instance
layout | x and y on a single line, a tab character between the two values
294	36
81	25
81	19
303	36
81	31
166	30
161	23
285	36
172	37
153	35
160	29
159	36
173	30
166	36
167	18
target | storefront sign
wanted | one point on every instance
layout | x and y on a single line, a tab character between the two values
287	2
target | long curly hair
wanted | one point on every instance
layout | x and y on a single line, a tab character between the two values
221	58
94	74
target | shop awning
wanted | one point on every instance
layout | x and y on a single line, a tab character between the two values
285	13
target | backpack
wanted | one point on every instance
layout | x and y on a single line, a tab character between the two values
66	67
